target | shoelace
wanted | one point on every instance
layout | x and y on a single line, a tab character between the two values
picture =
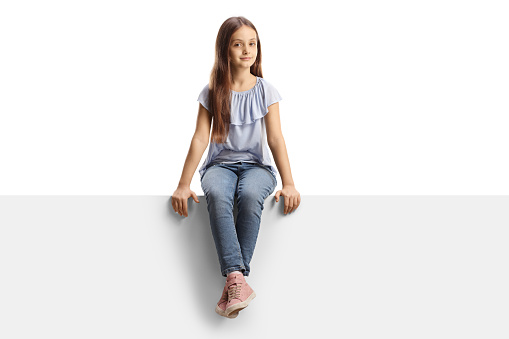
234	291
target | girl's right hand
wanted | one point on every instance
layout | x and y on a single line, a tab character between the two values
179	199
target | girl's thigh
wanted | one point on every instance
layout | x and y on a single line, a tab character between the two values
219	181
256	182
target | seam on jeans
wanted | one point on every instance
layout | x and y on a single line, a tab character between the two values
275	180
271	174
240	252
235	226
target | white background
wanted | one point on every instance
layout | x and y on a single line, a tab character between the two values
379	97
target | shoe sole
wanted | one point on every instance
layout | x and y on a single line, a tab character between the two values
222	313
240	306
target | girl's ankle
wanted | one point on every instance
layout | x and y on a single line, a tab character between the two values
235	272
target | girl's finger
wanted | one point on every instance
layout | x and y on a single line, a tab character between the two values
295	203
179	207
185	208
276	196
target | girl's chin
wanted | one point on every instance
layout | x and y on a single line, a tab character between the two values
243	66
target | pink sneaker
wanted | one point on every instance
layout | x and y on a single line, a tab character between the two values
240	293
221	305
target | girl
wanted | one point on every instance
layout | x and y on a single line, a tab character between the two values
245	110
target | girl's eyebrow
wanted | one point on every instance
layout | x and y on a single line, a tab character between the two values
241	39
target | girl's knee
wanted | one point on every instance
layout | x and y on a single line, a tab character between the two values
251	201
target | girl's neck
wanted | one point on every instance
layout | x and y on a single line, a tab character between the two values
242	78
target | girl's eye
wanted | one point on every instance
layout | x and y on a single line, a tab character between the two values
253	43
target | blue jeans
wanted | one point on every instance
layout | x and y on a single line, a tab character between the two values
250	184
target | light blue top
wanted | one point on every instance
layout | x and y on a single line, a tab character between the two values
247	139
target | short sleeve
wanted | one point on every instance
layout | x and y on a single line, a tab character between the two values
203	98
271	95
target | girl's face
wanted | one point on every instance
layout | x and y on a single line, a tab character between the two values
243	48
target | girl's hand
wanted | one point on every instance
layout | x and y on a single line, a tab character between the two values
179	199
292	198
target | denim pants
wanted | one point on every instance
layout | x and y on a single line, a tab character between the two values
250	184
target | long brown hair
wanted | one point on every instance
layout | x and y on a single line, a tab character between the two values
221	76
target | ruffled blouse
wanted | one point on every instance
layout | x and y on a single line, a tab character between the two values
247	138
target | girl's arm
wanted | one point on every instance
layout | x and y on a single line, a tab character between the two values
277	146
199	143
198	146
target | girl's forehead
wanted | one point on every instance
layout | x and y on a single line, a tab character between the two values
244	33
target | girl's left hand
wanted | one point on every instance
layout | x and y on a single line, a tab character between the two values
292	198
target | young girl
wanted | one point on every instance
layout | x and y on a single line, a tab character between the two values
245	110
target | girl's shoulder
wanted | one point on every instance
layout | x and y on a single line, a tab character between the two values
270	93
203	97
267	84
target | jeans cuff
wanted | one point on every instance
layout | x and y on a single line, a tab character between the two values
235	268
